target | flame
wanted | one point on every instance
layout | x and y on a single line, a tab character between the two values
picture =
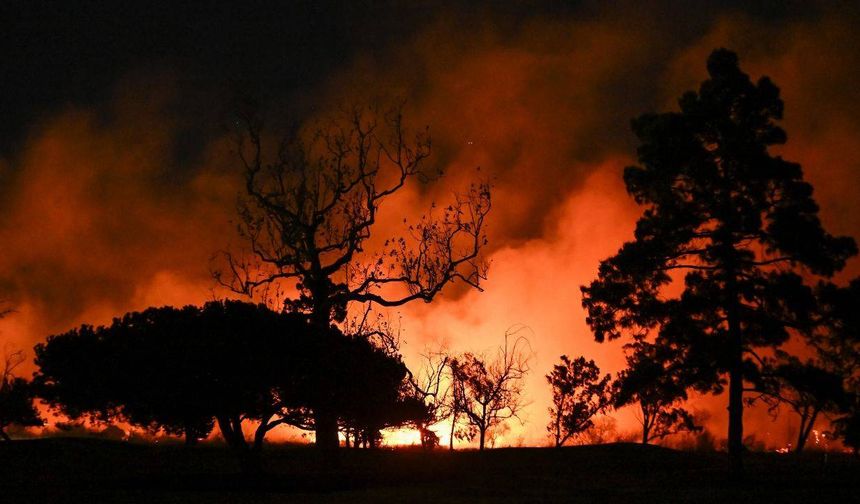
401	437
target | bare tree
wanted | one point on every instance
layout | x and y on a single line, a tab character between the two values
378	328
434	387
310	207
489	392
11	360
604	429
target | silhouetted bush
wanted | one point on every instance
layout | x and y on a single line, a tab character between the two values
16	397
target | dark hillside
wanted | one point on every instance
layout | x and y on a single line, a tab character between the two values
84	470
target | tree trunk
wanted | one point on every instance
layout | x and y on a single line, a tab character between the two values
249	457
231	430
190	437
483	426
325	429
325	419
736	426
260	433
558	440
646	424
806	424
453	427
736	389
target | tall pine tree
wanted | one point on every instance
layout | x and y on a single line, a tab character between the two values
730	222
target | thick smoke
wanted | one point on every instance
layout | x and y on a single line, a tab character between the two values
97	219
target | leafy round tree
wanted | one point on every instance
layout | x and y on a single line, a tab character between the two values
836	338
184	370
180	370
656	381
735	222
373	392
578	394
810	390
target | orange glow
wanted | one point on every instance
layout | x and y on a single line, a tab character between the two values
401	437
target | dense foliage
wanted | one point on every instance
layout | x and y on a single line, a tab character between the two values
579	393
738	221
183	370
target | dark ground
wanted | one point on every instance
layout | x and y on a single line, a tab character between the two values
94	471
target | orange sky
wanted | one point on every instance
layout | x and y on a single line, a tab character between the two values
98	220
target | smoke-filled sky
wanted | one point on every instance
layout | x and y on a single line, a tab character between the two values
118	178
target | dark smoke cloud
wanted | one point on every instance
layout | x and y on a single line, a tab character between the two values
96	208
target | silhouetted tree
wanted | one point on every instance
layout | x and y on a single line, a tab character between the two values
836	334
655	381
457	391
836	339
847	426
373	392
183	370
158	373
488	392
178	369
76	374
113	372
578	394
260	365
604	429
16	397
737	220
311	205
810	390
822	383
433	387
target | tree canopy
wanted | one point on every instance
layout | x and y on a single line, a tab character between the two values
836	339
176	369
183	370
578	394
656	381
735	222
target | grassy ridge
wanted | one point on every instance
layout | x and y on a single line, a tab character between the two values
86	470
